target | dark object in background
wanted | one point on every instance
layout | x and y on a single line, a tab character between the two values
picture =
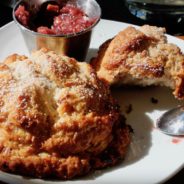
119	10
5	14
167	13
9	3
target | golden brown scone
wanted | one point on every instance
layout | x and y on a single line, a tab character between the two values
57	119
141	57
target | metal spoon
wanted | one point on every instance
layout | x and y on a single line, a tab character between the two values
172	122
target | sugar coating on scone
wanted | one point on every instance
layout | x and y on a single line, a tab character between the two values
141	57
57	119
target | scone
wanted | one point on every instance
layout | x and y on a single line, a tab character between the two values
57	119
141	57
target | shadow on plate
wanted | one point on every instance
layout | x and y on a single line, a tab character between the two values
91	53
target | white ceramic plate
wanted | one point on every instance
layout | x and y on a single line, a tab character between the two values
153	156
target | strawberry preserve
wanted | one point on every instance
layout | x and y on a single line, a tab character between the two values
55	20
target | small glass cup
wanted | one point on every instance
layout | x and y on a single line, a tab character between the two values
155	9
163	13
73	45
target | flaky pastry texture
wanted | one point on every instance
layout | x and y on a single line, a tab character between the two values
141	57
57	119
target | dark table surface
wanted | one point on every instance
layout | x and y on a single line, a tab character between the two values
113	10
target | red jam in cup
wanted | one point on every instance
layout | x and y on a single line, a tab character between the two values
55	20
22	15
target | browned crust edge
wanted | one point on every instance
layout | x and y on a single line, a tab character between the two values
72	166
101	52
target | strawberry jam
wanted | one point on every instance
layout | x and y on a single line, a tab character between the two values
55	20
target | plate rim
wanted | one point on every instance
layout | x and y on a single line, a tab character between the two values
6	26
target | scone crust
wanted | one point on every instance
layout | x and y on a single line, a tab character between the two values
57	119
141	57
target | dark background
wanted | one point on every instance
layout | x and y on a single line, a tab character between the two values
116	10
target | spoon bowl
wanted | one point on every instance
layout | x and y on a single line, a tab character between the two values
172	122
